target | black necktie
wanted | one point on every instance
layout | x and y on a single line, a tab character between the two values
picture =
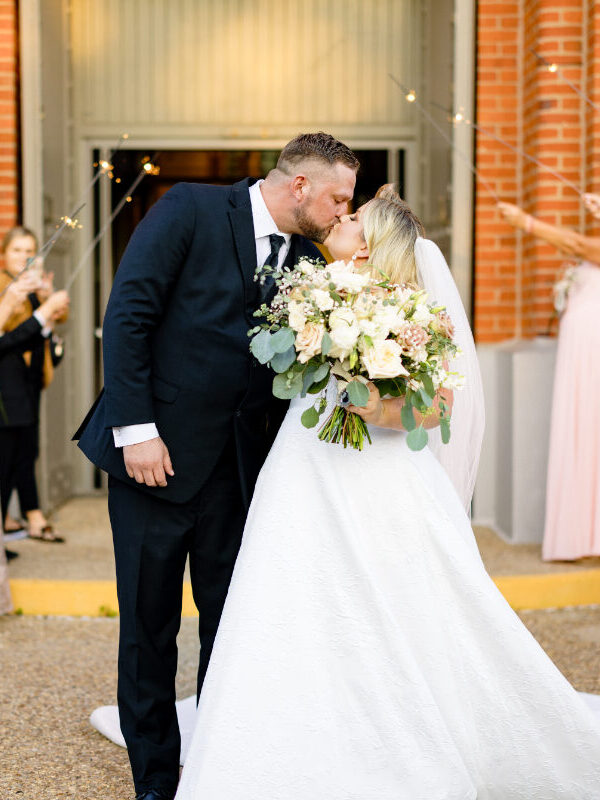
266	277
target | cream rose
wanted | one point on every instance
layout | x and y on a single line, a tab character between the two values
308	341
344	331
322	299
297	318
345	277
384	360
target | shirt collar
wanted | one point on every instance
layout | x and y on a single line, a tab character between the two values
264	224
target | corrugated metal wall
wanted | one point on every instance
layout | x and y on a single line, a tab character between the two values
244	67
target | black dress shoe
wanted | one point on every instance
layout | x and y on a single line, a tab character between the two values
154	794
10	554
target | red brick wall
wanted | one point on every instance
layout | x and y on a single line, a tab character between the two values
9	176
522	102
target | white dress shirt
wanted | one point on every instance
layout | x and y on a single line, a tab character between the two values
264	226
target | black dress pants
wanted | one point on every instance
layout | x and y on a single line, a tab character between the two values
152	539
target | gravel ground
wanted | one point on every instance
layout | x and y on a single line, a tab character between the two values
57	670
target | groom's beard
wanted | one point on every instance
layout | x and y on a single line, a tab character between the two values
309	228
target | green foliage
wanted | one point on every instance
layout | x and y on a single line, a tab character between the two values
358	393
408	418
310	417
417	438
261	347
326	343
282	340
281	362
287	385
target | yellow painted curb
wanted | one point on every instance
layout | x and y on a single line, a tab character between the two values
99	598
554	590
76	598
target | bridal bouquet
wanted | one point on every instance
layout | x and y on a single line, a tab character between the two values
331	319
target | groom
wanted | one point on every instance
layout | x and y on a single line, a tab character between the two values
187	417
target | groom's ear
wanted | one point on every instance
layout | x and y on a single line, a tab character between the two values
299	186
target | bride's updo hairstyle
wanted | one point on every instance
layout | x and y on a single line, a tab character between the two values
390	229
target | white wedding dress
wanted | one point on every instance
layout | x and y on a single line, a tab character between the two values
365	654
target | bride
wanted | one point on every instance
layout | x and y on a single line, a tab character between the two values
364	653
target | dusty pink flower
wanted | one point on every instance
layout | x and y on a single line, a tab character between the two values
412	338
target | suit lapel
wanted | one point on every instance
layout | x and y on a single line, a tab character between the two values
242	227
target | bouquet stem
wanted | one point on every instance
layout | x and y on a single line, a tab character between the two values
345	427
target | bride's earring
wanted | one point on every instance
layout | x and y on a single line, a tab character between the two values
354	256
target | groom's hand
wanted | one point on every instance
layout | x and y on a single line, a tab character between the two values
148	462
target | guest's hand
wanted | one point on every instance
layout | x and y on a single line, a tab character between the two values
19	289
46	287
592	203
55	306
514	215
148	462
373	412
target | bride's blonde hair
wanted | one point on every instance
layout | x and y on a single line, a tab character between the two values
390	229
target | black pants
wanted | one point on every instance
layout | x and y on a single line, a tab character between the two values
18	451
152	539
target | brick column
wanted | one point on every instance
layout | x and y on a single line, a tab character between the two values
517	94
9	115
497	111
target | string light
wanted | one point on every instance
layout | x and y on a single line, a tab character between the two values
552	68
504	143
406	92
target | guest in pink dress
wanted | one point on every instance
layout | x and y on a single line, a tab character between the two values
572	526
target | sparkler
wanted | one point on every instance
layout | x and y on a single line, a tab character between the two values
459	119
554	69
149	168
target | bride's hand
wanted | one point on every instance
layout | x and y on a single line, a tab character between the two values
373	412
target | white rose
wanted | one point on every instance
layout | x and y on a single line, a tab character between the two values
322	299
308	341
305	267
384	360
346	278
344	332
297	318
422	315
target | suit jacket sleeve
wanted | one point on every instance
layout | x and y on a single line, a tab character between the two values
22	338
148	270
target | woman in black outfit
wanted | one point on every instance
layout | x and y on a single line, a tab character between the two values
22	378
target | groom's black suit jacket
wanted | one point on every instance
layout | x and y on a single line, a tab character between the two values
175	343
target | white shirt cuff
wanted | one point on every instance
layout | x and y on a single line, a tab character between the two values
46	329
135	434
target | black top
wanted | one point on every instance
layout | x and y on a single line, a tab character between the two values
18	406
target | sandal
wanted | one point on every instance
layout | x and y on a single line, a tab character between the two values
47	534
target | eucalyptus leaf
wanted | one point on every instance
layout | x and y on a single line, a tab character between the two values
445	429
417	438
428	385
283	340
408	418
426	398
358	394
322	372
310	417
308	378
318	387
281	362
326	343
261	348
285	386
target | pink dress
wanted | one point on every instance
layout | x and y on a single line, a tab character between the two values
572	527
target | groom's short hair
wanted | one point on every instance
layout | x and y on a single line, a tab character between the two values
316	147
